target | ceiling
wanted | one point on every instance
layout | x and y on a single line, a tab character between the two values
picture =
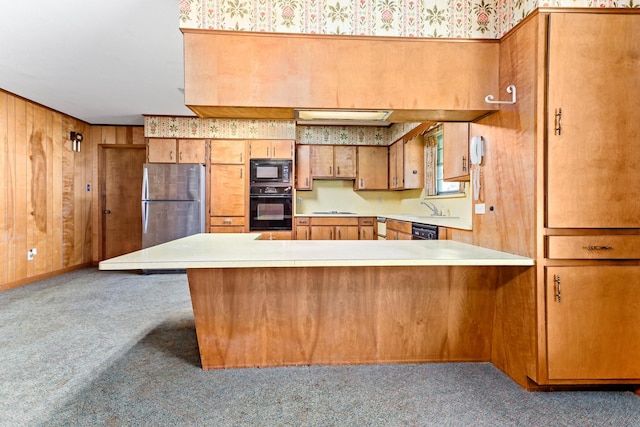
104	62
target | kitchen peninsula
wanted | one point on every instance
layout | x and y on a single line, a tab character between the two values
261	303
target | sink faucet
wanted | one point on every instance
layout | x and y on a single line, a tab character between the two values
431	207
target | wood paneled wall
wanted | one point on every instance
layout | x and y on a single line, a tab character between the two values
47	197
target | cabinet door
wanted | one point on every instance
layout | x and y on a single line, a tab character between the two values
322	232
227	190
191	151
344	161
322	161
346	232
593	322
372	170
413	163
270	149
303	232
367	232
456	151
228	151
162	150
303	167
593	155
396	165
281	149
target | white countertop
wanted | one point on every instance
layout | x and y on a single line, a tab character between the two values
219	250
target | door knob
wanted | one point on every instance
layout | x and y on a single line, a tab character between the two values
106	211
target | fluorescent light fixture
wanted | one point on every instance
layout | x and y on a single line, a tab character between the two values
378	115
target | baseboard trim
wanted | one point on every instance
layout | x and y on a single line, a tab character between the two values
27	280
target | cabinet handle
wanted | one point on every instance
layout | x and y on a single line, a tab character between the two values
330	170
171	155
306	181
305	235
598	248
361	183
464	164
227	221
339	235
267	152
241	161
338	171
558	125
330	234
558	293
180	156
240	172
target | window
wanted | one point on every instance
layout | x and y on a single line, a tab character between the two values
434	168
442	186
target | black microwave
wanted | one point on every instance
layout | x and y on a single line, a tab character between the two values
267	171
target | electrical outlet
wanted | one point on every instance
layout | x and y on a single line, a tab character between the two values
379	200
30	254
480	209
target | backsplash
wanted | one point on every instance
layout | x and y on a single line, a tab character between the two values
405	18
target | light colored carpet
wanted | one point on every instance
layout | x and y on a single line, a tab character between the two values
117	348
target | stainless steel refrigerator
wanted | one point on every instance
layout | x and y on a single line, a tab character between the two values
173	202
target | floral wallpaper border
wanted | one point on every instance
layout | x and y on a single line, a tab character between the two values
404	18
194	127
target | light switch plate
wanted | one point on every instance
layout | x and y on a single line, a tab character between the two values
480	209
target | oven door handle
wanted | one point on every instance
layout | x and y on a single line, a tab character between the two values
270	196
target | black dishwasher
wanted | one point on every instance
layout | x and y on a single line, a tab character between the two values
424	231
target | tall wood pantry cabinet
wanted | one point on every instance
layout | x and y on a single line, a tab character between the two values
578	72
227	201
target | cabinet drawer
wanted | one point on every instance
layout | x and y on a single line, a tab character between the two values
226	229
227	220
594	247
302	220
403	226
366	221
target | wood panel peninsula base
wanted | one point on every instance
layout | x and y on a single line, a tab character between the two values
294	302
258	317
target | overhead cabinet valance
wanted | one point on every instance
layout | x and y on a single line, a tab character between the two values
230	74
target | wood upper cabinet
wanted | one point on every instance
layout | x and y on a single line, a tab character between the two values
270	149
455	146
372	168
593	332
344	161
406	164
333	161
171	150
396	165
592	150
304	180
322	161
231	151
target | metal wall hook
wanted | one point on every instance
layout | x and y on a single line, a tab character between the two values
510	89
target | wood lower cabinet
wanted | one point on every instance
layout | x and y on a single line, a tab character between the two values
302	230
275	235
170	150
593	326
367	228
338	228
398	230
372	168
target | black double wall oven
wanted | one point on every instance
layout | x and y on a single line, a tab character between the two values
270	195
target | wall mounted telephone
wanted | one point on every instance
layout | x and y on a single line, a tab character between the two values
476	152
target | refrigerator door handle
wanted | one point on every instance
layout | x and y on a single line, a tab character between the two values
145	217
145	184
